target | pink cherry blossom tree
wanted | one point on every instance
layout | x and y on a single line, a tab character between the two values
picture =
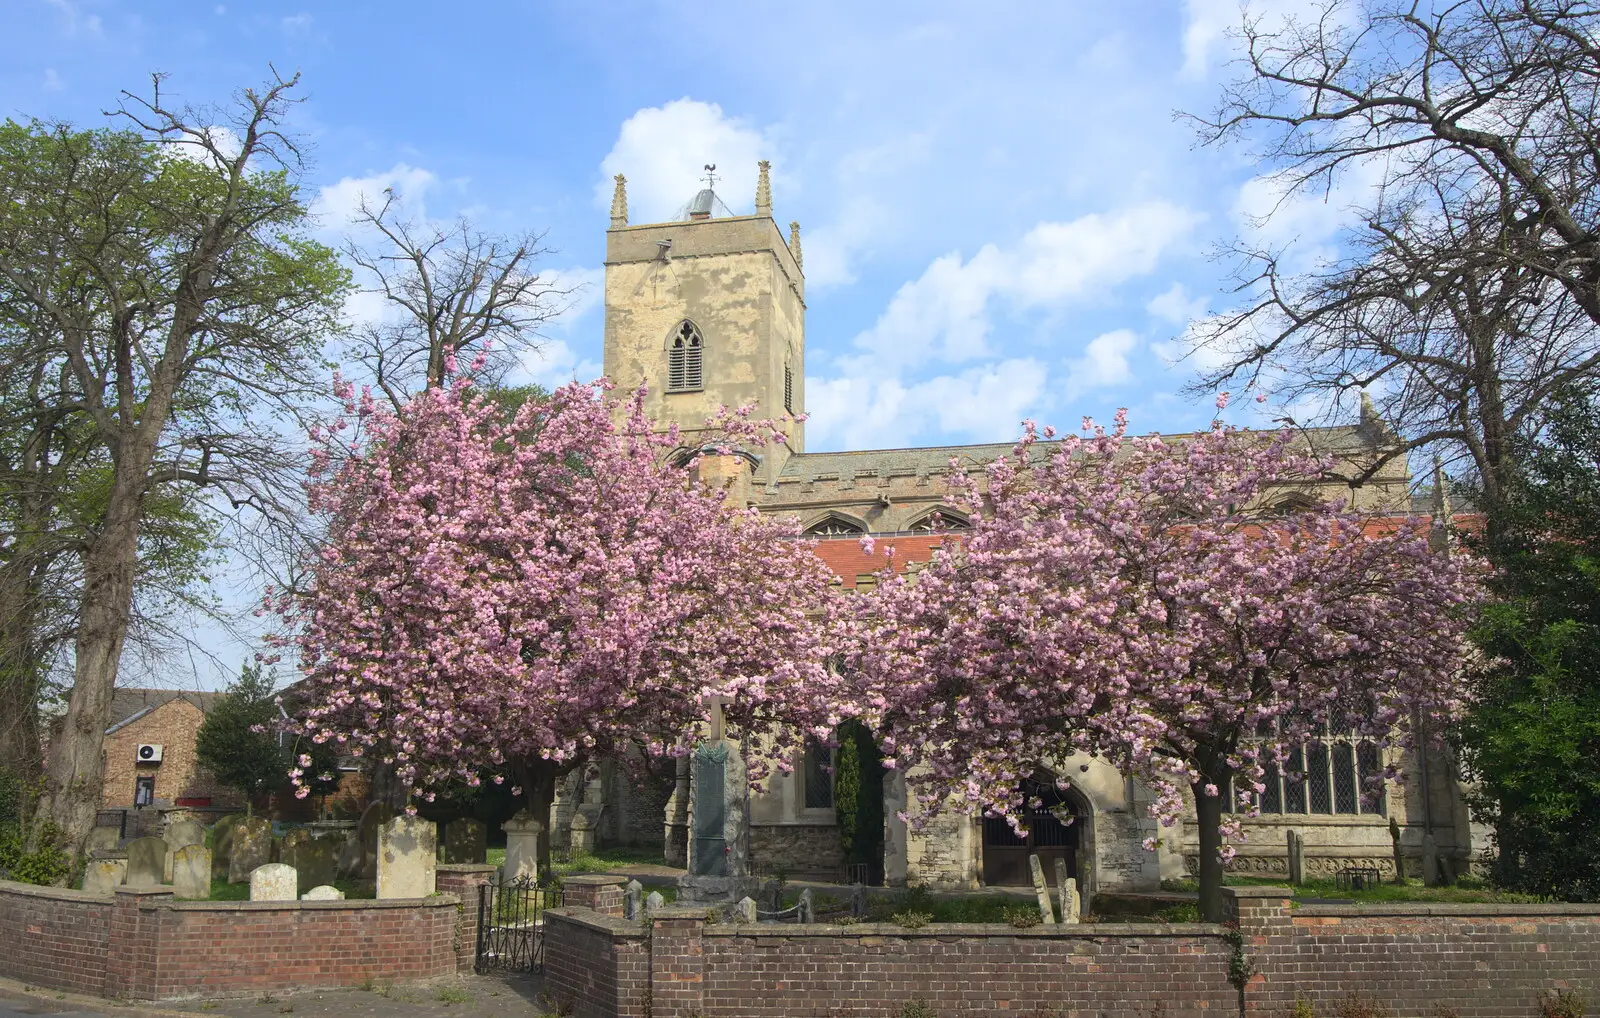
1140	599
517	593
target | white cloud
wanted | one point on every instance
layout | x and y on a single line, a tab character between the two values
1104	362
336	204
945	314
662	149
74	21
1176	306
52	80
986	403
296	22
1209	22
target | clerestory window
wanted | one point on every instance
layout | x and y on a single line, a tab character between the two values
684	369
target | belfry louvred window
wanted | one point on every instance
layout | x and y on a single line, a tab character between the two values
684	371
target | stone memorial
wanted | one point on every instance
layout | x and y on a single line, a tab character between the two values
719	829
249	846
181	833
1041	890
323	892
745	910
633	900
315	859
858	900
465	840
147	862
522	847
582	834
273	882
222	845
372	818
654	902
102	840
1399	860
771	897
103	874
806	908
408	857
1297	858
1062	881
1072	906
1430	860
191	872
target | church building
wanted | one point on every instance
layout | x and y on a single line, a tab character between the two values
709	310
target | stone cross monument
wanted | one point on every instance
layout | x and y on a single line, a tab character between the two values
719	822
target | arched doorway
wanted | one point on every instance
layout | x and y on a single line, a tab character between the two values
1005	854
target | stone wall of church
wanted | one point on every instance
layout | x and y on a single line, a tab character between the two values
803	851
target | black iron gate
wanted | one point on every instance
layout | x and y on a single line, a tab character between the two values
511	925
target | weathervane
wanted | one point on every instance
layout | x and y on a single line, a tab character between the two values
711	176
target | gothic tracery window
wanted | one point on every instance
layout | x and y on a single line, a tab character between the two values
938	521
684	371
834	526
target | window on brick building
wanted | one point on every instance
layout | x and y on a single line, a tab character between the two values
144	790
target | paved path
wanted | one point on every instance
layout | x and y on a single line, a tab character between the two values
468	997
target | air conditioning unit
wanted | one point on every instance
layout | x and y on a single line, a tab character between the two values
149	753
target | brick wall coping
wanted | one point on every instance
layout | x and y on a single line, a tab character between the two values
594	880
467	867
57	893
593	920
1359	910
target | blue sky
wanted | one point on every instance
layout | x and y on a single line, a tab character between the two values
1001	216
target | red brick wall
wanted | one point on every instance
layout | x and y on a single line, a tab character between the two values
1482	961
56	938
142	945
464	880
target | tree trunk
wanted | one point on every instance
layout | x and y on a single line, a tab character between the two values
1208	814
538	779
77	757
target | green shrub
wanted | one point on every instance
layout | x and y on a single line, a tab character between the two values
1562	1004
1357	1006
1022	916
49	865
911	920
918	1009
1187	912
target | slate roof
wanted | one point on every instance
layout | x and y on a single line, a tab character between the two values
128	705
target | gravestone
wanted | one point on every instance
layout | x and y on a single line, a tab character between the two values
104	874
806	908
1297	858
315	859
350	856
858	900
222	845
583	833
633	901
292	839
273	882
372	819
522	847
1041	890
408	857
719	829
181	834
1072	903
1430	860
249	846
147	862
465	840
771	894
102	840
654	902
191	872
323	892
1399	860
1063	882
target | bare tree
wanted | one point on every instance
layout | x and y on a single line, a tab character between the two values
186	312
456	290
1469	289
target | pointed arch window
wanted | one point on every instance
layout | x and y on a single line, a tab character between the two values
684	370
835	526
939	521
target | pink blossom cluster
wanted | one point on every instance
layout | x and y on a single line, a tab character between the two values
547	586
1140	599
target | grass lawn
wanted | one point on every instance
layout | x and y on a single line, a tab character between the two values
603	861
221	890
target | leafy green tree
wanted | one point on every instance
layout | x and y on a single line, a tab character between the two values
238	741
160	284
1532	736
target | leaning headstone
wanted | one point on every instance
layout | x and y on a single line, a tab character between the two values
1297	858
181	834
249	847
807	910
315	859
102	840
1430	860
1061	888
465	840
272	882
745	910
633	900
191	872
104	874
1041	890
522	847
654	902
858	900
324	892
408	858
147	862
372	818
1072	903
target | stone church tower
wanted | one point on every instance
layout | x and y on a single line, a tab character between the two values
708	310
